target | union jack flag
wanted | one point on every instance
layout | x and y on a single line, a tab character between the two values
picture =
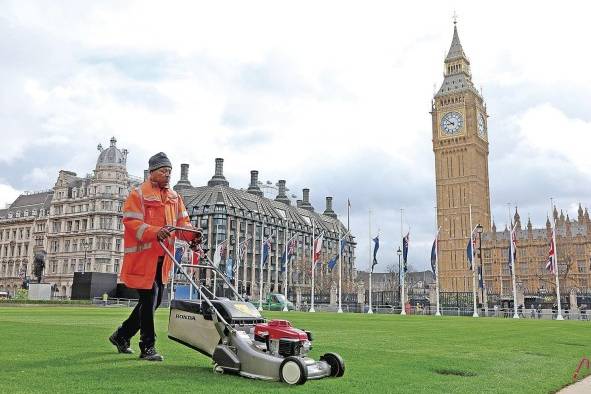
551	263
243	247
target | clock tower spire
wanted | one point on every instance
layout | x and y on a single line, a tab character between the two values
460	145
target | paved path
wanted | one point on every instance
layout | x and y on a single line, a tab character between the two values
581	387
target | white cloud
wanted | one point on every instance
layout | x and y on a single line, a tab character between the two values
7	195
551	134
299	86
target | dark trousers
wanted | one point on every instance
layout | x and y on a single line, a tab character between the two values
142	316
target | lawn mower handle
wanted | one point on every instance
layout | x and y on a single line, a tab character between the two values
198	288
211	264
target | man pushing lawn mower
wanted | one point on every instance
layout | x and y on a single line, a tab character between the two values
147	212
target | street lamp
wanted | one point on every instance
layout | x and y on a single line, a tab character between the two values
479	230
85	246
399	253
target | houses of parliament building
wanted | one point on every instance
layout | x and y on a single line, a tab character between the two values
460	144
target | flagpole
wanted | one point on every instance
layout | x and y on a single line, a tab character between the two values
370	264
512	260
340	310
286	265
555	262
475	314
348	211
261	268
437	313
312	251
402	277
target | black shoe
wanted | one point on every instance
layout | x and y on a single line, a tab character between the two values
121	344
150	354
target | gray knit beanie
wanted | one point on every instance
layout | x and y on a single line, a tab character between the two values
157	161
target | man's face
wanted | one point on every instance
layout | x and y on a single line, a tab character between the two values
161	176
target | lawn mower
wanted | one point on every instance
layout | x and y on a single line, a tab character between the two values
238	339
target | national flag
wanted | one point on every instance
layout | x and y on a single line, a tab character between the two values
242	248
434	255
290	252
470	252
230	268
332	262
179	250
219	254
267	249
405	242
471	249
318	247
551	264
480	279
512	249
376	246
343	244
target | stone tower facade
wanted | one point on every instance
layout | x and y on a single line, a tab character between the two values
460	145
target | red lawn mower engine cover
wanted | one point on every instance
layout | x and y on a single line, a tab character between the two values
283	339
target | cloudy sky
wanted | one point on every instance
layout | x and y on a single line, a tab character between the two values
334	96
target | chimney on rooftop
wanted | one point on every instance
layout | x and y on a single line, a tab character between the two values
306	200
184	182
218	178
281	196
328	211
253	188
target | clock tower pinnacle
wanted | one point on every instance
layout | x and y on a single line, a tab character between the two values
460	145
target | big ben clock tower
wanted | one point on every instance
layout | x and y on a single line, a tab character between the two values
460	144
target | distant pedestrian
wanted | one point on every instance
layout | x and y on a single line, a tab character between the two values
554	311
105	299
520	311
584	312
539	310
533	312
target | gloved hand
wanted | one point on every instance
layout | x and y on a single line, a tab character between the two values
163	234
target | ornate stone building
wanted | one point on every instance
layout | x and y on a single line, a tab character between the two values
78	223
460	144
22	231
85	232
225	212
574	257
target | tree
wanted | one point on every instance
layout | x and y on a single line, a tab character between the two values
392	276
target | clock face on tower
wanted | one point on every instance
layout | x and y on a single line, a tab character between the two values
451	123
481	125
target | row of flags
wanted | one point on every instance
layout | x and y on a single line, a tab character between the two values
220	253
511	252
405	243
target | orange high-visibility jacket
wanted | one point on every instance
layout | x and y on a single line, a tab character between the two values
146	210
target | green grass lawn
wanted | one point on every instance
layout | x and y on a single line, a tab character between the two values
65	349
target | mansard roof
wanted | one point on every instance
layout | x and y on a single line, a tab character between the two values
204	199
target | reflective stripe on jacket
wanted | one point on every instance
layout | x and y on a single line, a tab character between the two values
146	210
